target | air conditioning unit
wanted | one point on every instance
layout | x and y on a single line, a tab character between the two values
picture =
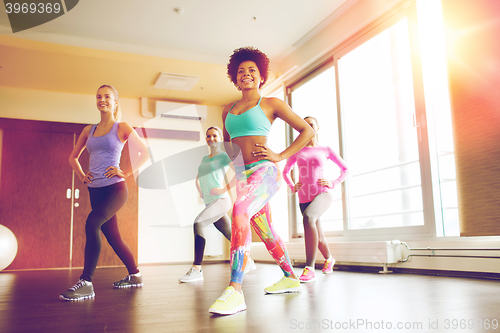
181	111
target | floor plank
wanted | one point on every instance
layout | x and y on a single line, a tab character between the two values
342	301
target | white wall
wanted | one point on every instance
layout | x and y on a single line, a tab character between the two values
166	215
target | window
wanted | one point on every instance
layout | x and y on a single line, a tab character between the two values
316	97
382	117
376	95
432	41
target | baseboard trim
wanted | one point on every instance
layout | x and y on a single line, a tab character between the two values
417	271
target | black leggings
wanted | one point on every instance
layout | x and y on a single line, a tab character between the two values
106	202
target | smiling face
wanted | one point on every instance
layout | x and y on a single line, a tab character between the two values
248	76
213	138
106	100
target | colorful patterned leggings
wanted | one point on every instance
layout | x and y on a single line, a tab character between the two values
257	183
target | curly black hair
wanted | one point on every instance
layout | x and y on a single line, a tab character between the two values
248	53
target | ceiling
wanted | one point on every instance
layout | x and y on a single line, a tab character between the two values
127	43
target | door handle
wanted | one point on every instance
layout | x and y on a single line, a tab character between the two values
68	193
77	194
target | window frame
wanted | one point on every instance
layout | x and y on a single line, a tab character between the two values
430	194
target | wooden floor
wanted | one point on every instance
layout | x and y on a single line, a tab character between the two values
341	302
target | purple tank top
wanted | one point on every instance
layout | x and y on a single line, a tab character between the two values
105	151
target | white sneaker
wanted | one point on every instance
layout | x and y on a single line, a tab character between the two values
192	275
250	266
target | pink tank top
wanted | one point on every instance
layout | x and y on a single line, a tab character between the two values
311	162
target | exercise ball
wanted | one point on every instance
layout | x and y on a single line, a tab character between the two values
8	247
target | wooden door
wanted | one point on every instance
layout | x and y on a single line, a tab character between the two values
35	177
33	204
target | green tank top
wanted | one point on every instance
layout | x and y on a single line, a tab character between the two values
211	175
252	122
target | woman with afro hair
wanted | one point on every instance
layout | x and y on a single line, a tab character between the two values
246	127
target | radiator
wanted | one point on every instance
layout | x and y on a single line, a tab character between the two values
378	252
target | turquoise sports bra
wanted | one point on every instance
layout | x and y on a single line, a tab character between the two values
252	122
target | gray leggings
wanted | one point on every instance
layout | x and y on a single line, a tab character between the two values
313	232
216	213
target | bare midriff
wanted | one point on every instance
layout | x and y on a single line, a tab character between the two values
247	145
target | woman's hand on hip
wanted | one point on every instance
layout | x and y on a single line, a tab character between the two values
264	153
297	187
217	191
325	182
114	171
87	179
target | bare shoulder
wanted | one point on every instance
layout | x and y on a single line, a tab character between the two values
226	109
124	131
273	102
86	130
125	127
275	106
82	141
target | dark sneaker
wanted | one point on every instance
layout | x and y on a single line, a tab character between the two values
129	281
81	290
